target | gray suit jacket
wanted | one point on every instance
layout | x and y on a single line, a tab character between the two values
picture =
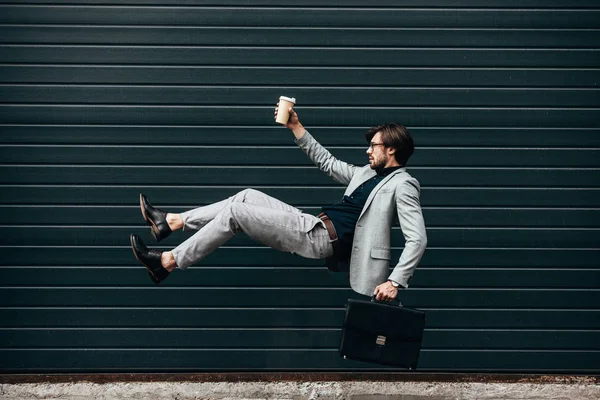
396	195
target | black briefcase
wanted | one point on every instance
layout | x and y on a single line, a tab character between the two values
382	333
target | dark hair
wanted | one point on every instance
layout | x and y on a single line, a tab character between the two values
396	136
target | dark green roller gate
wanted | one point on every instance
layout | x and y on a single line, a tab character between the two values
101	100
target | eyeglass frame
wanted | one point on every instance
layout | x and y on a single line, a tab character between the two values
372	145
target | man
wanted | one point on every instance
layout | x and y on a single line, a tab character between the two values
353	234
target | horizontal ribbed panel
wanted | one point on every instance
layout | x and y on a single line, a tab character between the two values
101	100
290	15
73	254
282	77
303	276
570	320
313	338
98	360
289	156
254	115
342	96
523	4
80	215
297	297
149	135
228	57
437	237
282	36
315	196
292	176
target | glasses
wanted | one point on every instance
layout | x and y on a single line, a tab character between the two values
373	144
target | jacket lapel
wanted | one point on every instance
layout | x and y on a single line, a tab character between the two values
365	174
379	186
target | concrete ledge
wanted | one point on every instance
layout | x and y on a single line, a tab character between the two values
580	388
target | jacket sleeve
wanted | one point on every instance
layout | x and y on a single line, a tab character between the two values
340	171
412	224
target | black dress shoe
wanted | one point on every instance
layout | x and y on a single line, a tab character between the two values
156	218
150	258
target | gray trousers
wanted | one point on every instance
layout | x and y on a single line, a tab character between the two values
262	217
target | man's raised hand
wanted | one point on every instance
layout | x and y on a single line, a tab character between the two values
293	122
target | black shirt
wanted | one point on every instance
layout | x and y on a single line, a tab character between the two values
344	214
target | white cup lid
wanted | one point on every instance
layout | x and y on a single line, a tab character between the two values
290	99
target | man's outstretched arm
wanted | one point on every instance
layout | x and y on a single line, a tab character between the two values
339	170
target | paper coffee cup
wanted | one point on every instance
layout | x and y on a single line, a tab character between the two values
283	112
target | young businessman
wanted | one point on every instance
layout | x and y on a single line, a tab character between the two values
353	234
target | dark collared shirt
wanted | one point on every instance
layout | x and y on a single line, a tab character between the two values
345	214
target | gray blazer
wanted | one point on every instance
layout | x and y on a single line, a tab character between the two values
397	194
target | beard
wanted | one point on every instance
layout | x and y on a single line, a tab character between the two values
378	164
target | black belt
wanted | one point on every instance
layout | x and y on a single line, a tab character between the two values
331	230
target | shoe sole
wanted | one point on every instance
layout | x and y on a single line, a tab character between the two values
153	227
152	276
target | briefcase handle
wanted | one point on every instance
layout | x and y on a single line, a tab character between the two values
395	301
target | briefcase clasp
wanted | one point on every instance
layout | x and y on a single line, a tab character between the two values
380	340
